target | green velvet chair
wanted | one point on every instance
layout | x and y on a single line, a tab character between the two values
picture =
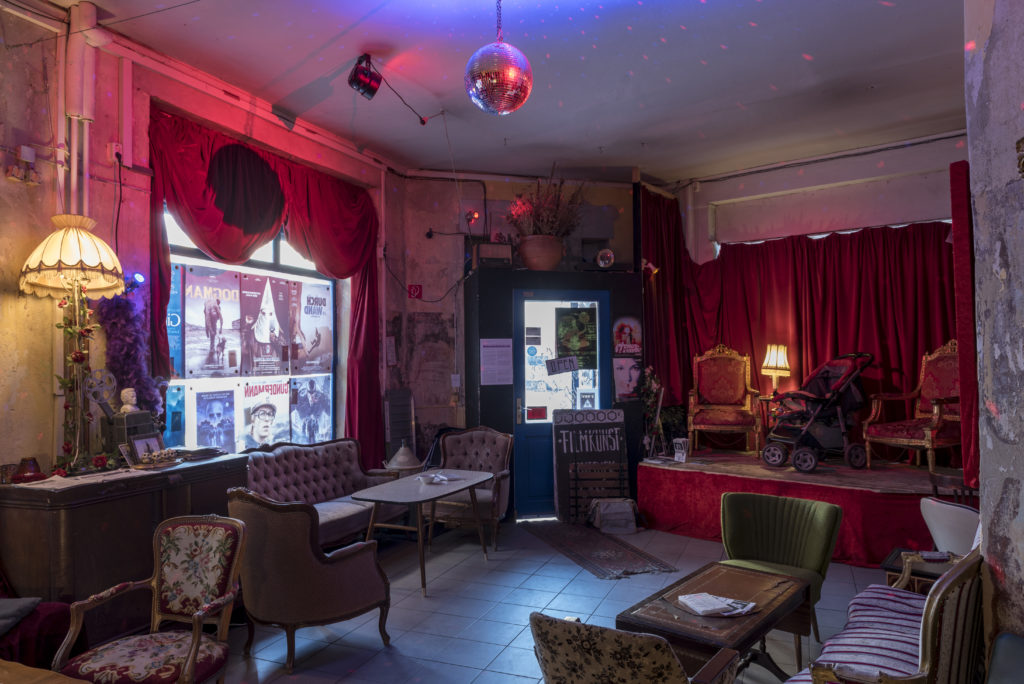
783	535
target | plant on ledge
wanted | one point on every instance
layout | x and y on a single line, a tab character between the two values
547	209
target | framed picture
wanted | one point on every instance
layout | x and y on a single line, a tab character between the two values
147	443
127	455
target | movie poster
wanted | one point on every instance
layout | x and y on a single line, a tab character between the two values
576	331
626	371
215	419
174	403
627	337
212	343
265	328
312	322
265	409
311	411
175	329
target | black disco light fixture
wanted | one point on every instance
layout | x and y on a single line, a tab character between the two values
364	79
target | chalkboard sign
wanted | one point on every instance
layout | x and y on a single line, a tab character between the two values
585	437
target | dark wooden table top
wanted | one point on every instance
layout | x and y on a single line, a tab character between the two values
776	597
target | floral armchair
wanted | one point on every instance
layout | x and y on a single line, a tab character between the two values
570	651
195	577
935	423
722	399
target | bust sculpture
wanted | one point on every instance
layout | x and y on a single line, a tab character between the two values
128	399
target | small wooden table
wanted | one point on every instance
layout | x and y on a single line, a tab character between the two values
776	596
414	492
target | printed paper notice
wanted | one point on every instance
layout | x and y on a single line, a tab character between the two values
496	361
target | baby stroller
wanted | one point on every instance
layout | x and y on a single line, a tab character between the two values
813	420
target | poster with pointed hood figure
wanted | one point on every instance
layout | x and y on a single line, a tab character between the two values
265	329
212	344
311	310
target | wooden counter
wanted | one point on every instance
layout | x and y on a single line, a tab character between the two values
67	544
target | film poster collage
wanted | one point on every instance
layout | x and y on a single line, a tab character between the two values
251	357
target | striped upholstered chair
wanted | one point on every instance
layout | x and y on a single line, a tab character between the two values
893	635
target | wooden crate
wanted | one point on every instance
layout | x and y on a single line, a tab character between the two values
595	480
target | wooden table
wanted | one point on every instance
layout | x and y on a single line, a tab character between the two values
776	596
414	492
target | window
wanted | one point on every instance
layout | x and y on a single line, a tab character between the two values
255	349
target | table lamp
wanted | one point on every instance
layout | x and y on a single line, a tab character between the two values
70	264
775	365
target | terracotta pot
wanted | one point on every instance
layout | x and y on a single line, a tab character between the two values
541	252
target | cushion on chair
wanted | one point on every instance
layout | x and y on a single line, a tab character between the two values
722	416
913	429
721	381
869	649
883	607
147	658
188	585
484	501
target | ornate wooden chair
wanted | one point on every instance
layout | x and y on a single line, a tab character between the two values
195	577
935	423
479	448
722	399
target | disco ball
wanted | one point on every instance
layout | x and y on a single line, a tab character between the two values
498	78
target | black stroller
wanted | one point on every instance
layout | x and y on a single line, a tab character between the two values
813	421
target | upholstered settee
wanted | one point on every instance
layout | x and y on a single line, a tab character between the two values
894	635
325	475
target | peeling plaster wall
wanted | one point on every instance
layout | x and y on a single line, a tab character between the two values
428	332
27	335
994	124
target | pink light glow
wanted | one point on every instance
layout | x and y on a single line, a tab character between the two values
752	23
808	57
969	46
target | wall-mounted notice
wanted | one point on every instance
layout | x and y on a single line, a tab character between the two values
496	361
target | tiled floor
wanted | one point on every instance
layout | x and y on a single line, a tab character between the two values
473	625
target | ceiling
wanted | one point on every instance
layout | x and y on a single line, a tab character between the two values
680	89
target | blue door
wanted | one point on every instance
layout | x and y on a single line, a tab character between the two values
550	324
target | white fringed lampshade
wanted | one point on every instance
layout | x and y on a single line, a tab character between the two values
72	254
776	363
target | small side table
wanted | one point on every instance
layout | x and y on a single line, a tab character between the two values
768	413
921	578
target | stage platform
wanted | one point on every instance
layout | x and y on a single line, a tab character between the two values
881	508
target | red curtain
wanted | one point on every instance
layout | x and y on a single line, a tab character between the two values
887	291
963	268
232	198
663	246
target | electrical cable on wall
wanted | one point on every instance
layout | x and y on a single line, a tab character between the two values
401	282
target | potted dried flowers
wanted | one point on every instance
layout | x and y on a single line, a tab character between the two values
543	217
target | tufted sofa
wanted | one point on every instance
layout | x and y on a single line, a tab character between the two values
325	475
893	635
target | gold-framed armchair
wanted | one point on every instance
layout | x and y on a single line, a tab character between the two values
722	399
195	578
935	423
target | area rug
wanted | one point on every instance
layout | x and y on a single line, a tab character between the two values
604	555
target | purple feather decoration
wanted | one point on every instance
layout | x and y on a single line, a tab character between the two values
128	350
